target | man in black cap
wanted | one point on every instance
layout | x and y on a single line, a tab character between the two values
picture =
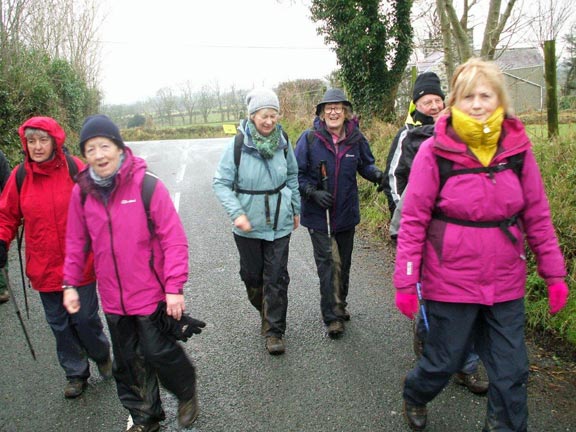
330	155
426	106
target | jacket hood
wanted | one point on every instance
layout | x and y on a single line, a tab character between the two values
47	124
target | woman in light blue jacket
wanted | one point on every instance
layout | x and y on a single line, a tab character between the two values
257	183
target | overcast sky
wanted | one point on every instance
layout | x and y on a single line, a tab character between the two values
150	44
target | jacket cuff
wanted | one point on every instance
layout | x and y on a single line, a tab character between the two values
407	290
554	280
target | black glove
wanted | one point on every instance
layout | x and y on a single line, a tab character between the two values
380	181
179	330
3	253
322	198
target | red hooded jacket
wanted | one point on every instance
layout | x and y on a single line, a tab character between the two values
43	204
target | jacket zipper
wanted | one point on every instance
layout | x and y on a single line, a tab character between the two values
115	261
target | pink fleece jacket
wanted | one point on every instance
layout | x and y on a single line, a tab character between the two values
119	236
470	264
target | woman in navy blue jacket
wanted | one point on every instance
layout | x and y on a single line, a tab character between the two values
330	202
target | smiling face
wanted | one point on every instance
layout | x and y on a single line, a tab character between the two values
479	102
103	155
40	146
265	120
430	105
334	116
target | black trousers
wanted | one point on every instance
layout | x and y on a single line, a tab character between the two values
264	271
142	356
333	256
498	334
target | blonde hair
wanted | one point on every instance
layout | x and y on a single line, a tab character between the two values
466	77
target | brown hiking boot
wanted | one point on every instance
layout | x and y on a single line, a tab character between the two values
74	388
275	345
105	368
335	328
4	296
472	382
416	416
188	412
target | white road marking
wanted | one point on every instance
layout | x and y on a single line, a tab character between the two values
181	172
177	201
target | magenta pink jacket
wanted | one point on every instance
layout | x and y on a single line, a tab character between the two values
462	264
123	248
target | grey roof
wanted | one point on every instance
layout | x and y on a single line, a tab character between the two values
518	58
509	59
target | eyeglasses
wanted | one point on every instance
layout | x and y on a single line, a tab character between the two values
336	109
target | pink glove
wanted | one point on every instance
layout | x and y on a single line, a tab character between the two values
407	304
557	296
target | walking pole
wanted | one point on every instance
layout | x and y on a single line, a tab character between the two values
324	179
422	307
9	287
19	236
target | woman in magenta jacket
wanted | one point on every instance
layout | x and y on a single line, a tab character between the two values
137	267
462	236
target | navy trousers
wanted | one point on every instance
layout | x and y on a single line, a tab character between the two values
79	336
497	333
333	256
472	359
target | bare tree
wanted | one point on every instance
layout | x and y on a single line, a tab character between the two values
66	29
205	102
167	104
218	98
457	31
550	19
188	100
13	14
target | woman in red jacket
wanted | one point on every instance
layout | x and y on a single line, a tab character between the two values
42	201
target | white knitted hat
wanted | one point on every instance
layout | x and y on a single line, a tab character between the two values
261	98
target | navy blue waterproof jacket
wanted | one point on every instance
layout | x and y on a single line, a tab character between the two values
354	156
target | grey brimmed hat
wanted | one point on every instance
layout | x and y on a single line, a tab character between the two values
333	95
100	125
261	98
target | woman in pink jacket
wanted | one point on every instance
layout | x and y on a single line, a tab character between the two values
137	267
475	197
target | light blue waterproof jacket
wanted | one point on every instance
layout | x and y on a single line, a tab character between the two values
256	174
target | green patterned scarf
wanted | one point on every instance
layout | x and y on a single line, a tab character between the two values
266	145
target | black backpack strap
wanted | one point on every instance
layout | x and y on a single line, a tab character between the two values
514	162
148	187
72	167
20	175
238	141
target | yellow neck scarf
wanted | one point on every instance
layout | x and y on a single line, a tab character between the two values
480	137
